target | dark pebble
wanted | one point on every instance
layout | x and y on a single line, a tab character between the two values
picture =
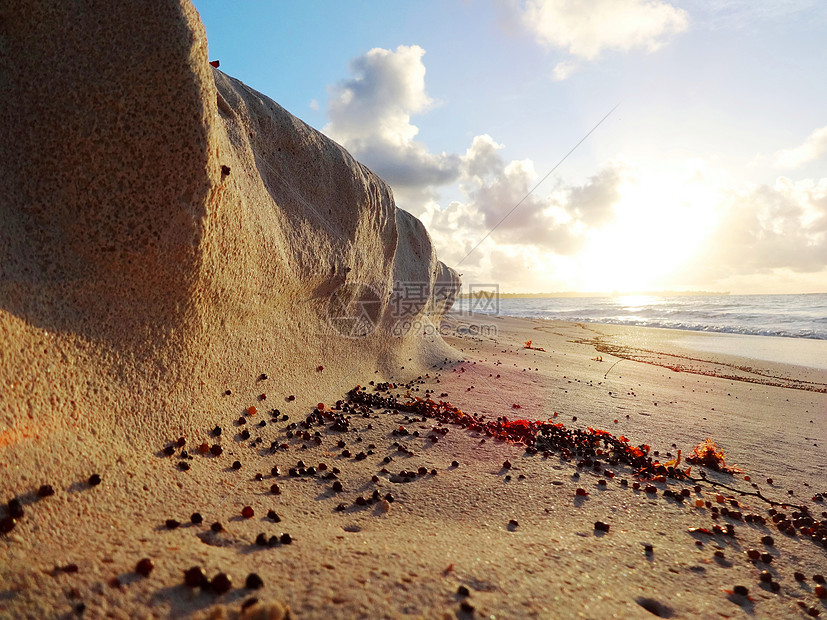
221	583
183	466
172	524
454	463
741	590
216	450
247	512
195	577
216	432
337	487
601	526
245	434
7	524
818	579
217	527
285	539
463	591
144	567
466	607
765	576
169	450
45	490
236	464
261	540
94	480
768	540
275	489
253	582
15	508
271	514
799	576
196	518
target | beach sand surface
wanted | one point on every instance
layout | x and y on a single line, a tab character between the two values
455	528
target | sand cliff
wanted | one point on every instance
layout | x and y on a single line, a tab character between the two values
168	232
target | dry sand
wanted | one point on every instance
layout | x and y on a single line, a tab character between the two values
452	529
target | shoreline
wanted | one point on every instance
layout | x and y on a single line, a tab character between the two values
798	352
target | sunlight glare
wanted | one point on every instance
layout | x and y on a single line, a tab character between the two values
657	227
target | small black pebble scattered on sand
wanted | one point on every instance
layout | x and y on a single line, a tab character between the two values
221	583
7	524
15	508
253	582
94	480
195	577
144	567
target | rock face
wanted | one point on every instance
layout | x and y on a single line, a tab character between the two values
167	231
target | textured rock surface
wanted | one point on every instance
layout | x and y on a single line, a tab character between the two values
164	225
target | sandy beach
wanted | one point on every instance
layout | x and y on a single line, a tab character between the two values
520	540
207	407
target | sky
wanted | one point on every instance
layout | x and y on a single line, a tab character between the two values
700	130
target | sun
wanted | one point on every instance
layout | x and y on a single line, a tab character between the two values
658	227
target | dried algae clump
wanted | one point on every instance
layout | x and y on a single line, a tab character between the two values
708	454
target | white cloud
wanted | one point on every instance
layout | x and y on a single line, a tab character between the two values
314	104
555	224
585	29
814	147
370	115
764	229
563	70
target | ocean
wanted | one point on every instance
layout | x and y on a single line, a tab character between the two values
790	316
772	321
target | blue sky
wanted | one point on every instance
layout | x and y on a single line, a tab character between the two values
711	173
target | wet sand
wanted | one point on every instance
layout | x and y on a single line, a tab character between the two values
518	539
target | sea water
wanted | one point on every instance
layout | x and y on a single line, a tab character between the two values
783	328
